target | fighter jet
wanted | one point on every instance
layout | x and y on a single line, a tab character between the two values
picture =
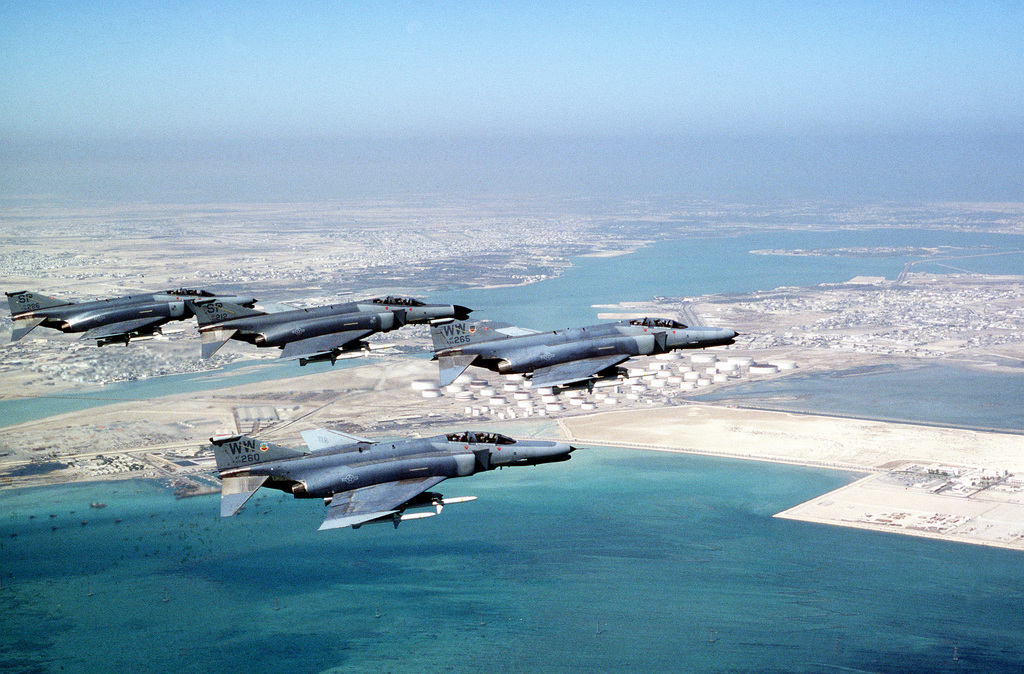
563	357
317	333
117	320
364	482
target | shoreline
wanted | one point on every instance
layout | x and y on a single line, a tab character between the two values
939	482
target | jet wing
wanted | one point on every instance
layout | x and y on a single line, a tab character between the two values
369	503
321	438
574	371
324	344
124	328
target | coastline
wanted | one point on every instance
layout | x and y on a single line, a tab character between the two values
944	483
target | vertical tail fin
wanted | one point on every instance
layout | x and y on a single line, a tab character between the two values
209	312
460	333
237	451
22	301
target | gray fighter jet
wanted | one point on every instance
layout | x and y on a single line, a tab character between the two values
317	333
364	482
116	320
563	357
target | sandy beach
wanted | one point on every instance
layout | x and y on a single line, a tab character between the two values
852	444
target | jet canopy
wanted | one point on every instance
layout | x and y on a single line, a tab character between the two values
657	323
192	292
470	437
398	301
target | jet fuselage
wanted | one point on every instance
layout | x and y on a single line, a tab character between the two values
327	472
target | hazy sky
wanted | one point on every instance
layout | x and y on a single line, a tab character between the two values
444	72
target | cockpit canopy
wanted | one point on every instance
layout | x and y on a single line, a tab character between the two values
192	292
397	301
657	323
471	437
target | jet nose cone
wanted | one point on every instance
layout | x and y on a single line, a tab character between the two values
461	312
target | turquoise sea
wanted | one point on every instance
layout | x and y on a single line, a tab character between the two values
617	560
614	561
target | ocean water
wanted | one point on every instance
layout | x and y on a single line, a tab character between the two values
926	392
617	560
709	265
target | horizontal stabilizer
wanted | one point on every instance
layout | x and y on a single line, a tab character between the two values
322	345
453	366
574	371
24	326
214	339
235	491
321	438
125	329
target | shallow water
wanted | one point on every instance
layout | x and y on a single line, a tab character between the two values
615	560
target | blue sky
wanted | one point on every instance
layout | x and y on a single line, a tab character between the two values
159	71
